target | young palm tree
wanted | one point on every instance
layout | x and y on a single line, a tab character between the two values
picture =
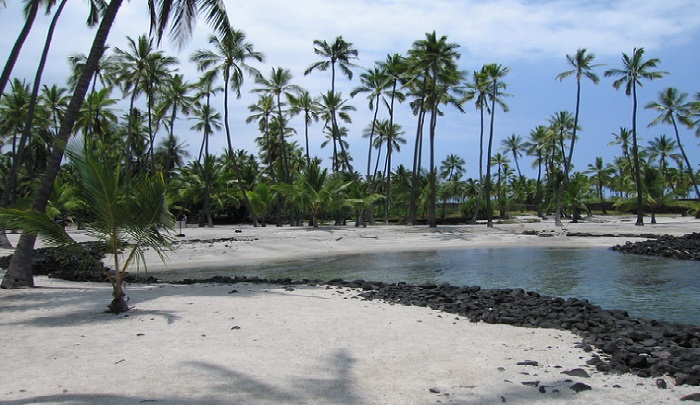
134	220
663	148
634	69
600	174
391	135
671	106
338	53
495	74
177	17
515	145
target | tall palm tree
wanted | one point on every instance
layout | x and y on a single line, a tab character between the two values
452	168
230	59
562	125
437	59
333	107
671	106
495	74
177	17
302	102
391	135
515	145
338	53
277	85
478	90
208	122
582	63
30	10
634	69
135	69
373	82
176	98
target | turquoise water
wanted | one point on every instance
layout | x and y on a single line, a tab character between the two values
645	286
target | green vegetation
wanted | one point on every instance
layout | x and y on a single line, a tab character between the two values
281	182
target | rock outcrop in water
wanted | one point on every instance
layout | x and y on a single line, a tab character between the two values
685	247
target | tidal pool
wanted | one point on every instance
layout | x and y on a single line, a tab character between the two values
645	286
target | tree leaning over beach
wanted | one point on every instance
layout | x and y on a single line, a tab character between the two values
178	18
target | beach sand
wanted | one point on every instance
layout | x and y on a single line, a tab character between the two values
262	344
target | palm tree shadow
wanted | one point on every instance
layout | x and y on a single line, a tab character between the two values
336	388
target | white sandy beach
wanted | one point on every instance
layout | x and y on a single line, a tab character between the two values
251	344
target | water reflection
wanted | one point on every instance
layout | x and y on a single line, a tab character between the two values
644	286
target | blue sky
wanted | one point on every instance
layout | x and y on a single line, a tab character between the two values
530	37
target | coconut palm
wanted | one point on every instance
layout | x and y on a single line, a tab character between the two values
338	53
133	220
600	174
302	102
277	85
391	135
230	59
635	68
437	60
333	107
562	124
582	63
624	139
166	15
515	145
663	148
495	73
671	106
373	82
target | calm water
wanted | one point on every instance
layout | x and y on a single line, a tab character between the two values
644	286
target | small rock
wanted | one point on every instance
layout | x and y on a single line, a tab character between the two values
528	363
578	387
661	383
434	390
577	372
531	383
235	328
233	291
542	389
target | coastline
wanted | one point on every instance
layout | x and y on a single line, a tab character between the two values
265	344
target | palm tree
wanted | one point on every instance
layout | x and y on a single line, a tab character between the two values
302	102
600	174
624	139
30	10
333	107
116	218
373	82
138	69
276	85
175	98
536	147
478	90
495	74
515	145
501	162
634	69
177	17
208	121
583	67
391	135
338	53
437	60
663	148
452	168
230	60
562	124
671	105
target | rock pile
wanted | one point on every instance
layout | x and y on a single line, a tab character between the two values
685	247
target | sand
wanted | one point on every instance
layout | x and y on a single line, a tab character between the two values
252	344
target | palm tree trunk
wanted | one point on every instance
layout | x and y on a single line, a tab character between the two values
14	53
489	213
232	157
480	194
433	169
635	157
11	177
685	157
19	273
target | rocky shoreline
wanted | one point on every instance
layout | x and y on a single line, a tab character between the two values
617	343
686	247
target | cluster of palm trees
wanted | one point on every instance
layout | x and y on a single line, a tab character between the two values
282	182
